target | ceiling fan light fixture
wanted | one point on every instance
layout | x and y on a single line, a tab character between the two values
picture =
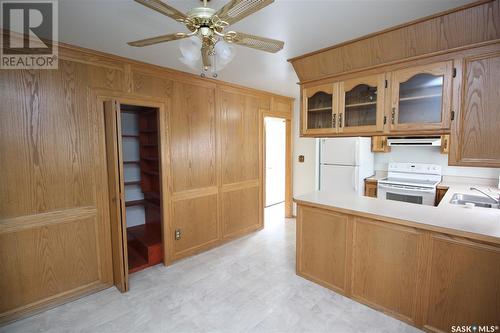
207	25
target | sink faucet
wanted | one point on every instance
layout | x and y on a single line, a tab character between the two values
497	201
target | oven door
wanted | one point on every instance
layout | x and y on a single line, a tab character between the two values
412	194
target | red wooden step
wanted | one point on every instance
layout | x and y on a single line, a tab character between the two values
145	239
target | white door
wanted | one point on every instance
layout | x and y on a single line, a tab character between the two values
339	179
275	160
340	151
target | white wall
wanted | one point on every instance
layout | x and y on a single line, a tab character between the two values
304	174
433	156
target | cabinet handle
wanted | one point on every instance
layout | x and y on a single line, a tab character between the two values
340	119
334	120
393	119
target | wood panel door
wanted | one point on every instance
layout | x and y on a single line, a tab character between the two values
194	168
54	232
362	104
387	267
117	215
421	98
241	124
463	284
474	136
322	247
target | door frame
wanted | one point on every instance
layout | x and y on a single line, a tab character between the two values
99	96
288	158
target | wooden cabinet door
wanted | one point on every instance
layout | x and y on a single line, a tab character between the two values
319	109
379	144
387	267
371	188
463	284
322	247
362	104
474	134
421	98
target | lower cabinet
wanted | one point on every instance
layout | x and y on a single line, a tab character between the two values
385	266
371	188
430	280
464	284
322	247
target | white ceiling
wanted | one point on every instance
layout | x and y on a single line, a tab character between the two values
304	25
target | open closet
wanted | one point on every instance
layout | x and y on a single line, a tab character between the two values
134	179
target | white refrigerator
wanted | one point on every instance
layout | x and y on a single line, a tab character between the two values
344	163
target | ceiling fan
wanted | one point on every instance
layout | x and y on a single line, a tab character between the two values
209	24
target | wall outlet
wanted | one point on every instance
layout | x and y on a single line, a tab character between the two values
177	234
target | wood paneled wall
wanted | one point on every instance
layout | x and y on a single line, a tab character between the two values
54	216
462	27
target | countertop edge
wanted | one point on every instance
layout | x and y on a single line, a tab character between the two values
418	225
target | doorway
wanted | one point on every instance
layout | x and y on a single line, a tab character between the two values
134	182
275	164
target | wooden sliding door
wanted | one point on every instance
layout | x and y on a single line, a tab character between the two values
116	194
241	161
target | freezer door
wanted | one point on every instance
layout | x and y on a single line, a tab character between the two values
339	179
340	151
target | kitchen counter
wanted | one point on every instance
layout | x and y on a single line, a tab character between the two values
476	223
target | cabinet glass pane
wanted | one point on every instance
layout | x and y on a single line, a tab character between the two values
360	106
420	99
319	110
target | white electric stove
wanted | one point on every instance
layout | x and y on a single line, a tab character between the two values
410	182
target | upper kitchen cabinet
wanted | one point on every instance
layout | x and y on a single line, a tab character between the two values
421	98
474	135
362	104
320	109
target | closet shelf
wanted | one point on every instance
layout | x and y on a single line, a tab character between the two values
149	145
131	162
152	173
130	135
141	202
154	159
133	182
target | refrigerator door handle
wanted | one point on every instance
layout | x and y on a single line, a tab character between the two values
356	152
354	185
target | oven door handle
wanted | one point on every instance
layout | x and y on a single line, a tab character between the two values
391	187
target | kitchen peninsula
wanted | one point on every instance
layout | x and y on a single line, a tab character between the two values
433	267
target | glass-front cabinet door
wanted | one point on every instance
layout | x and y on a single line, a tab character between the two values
320	109
421	98
362	104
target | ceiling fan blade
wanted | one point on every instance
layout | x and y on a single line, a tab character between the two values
165	9
156	40
239	9
205	55
255	42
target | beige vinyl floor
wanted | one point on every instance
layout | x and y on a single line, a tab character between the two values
248	285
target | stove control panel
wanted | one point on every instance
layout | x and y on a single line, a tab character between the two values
419	168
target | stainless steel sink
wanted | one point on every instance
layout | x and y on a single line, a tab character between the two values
478	201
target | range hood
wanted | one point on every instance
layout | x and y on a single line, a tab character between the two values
431	141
